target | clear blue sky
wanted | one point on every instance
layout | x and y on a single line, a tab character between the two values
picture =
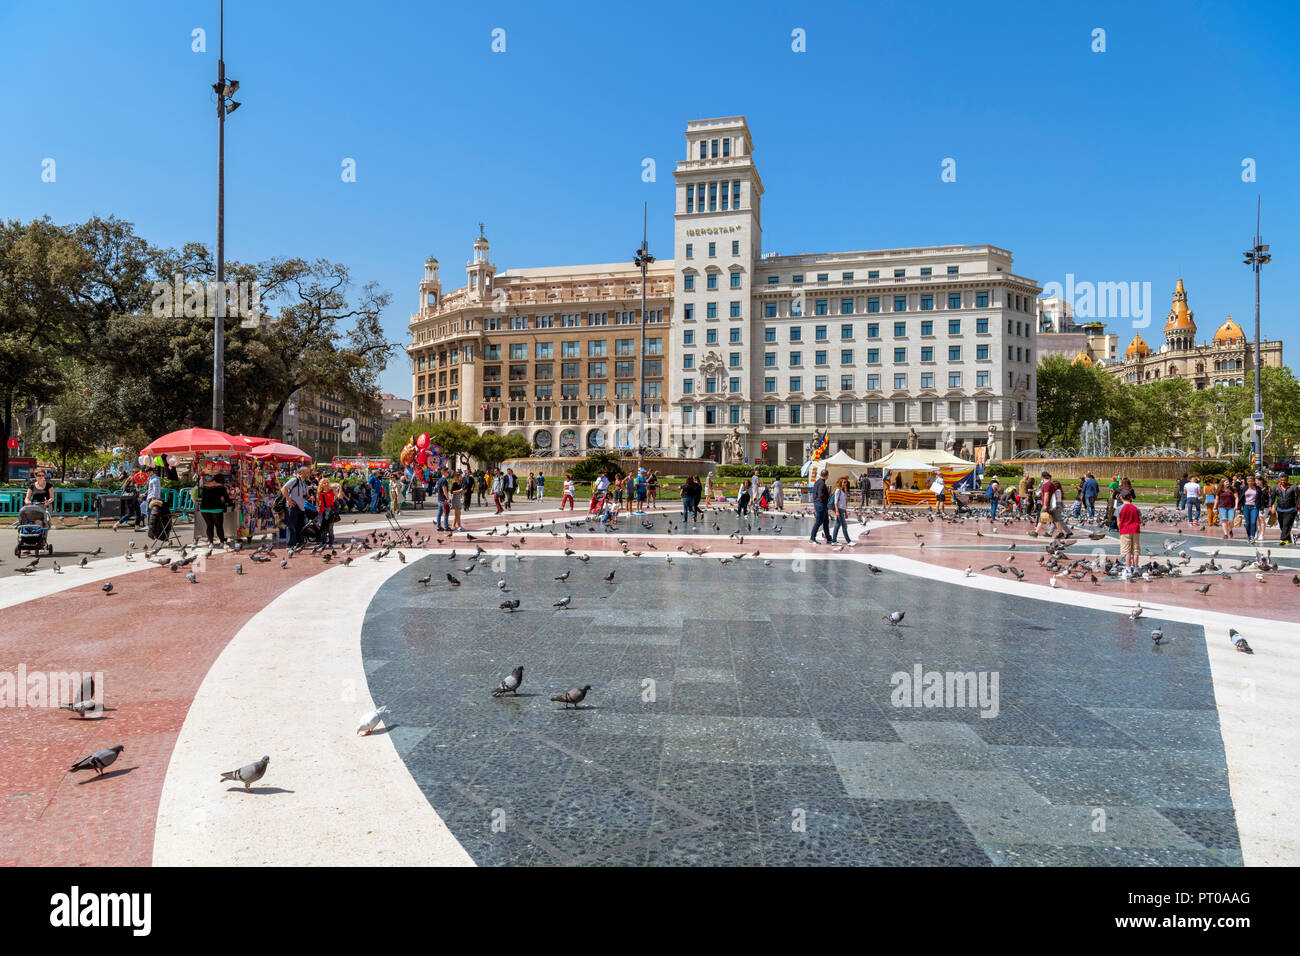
1115	166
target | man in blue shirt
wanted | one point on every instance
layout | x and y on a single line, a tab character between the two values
444	500
1090	492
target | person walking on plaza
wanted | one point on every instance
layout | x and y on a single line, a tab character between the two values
482	485
1191	492
325	503
708	489
937	489
1227	504
295	505
598	489
1023	487
690	487
1049	494
640	486
778	494
652	489
541	486
511	485
821	497
1262	502
1090	492
498	488
840	506
1250	508
457	500
568	494
1284	506
442	498
530	488
1178	490
994	495
743	498
1130	532
214	499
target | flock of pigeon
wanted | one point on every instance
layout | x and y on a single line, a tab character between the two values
1055	562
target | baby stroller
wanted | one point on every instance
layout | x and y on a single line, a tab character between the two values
33	531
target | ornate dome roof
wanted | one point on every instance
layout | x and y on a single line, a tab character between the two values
1180	316
1229	332
1137	348
1083	358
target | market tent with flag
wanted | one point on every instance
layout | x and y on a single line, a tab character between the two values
843	464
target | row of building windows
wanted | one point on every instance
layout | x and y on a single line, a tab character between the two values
519	393
822	357
522	323
724	195
902	412
713	249
925	272
596	348
651	368
710	282
821	383
848	306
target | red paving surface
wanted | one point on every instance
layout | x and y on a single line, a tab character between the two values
157	636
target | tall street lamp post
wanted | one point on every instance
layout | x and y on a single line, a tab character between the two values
1256	257
642	261
225	90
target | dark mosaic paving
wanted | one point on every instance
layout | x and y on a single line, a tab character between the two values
772	736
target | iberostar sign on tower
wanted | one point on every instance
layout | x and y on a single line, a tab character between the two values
742	347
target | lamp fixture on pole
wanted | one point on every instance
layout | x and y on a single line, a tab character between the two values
225	90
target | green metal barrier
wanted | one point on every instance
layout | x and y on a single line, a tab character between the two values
75	501
10	502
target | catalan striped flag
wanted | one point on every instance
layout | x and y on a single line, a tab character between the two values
822	446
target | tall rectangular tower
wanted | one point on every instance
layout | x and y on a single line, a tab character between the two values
718	238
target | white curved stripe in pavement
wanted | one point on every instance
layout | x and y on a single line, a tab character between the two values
1259	711
291	685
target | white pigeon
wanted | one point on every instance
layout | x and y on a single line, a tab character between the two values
371	720
969	572
1136	612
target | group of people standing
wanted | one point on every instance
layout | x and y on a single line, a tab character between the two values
830	501
1241	501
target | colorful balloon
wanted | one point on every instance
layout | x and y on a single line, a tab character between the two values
422	457
422	442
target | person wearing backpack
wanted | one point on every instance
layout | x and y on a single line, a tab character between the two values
294	492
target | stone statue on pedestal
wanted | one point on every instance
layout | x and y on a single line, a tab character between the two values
734	447
991	448
912	438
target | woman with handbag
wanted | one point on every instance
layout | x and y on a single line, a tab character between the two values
1250	508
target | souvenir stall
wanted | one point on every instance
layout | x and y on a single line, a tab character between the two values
908	466
193	450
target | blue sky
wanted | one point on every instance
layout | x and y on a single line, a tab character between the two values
1115	166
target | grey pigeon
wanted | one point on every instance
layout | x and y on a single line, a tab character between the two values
371	720
98	761
564	601
1238	641
108	586
83	562
249	774
425	580
574	696
510	606
895	618
1157	636
87	688
239	568
453	581
510	683
58	568
564	576
190	576
610	577
81	707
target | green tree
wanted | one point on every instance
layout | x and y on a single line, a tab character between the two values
1068	396
492	449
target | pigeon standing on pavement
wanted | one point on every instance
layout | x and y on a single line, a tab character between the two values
452	580
574	696
895	618
371	720
249	774
563	602
1238	641
1157	636
510	606
80	708
99	761
510	683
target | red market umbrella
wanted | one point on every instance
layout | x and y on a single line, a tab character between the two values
190	440
279	451
253	441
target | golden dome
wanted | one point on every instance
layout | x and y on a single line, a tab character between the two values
1180	316
1137	348
1083	358
1228	333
